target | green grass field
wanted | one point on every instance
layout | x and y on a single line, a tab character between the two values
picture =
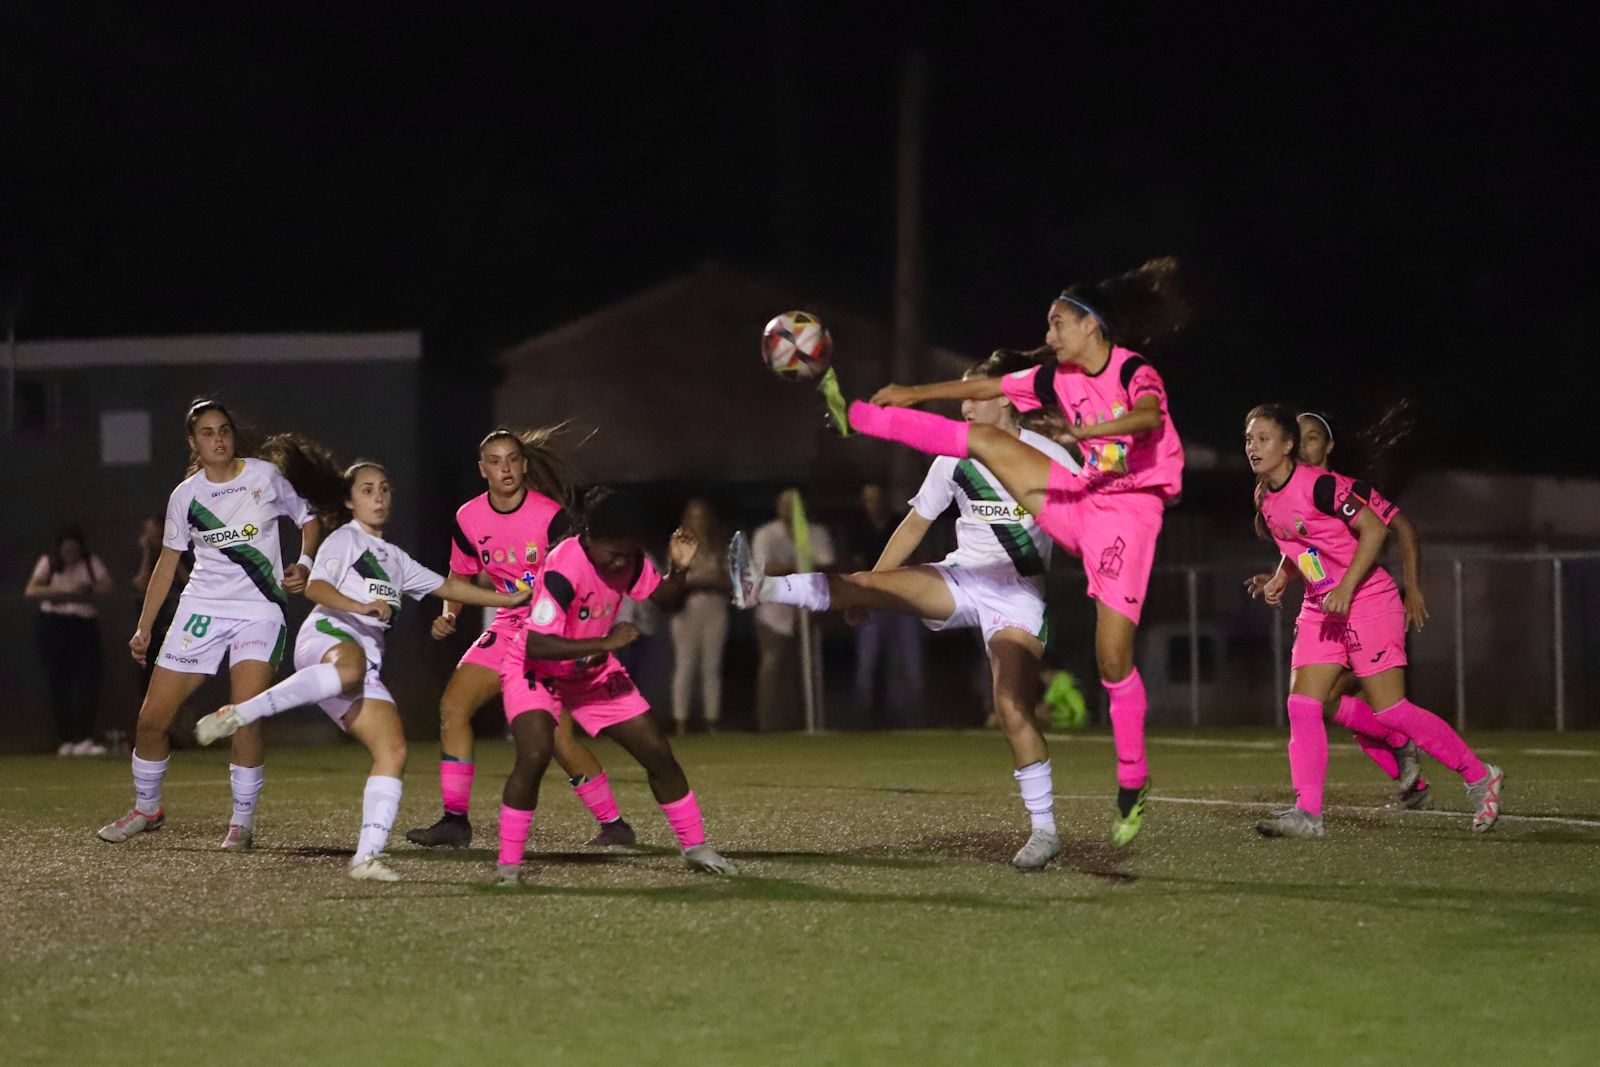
874	920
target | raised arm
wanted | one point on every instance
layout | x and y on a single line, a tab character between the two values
903	396
904	541
682	547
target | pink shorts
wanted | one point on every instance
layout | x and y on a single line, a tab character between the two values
500	649
1370	640
595	699
1114	534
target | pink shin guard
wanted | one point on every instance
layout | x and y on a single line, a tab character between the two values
1357	717
684	815
1308	753
1128	707
455	785
922	430
514	826
596	796
1435	737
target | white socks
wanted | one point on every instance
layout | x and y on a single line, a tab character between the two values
809	591
378	806
1037	794
309	686
246	787
147	775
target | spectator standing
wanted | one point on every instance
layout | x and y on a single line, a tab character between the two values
700	628
65	583
887	638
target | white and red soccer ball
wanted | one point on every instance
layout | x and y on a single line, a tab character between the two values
796	345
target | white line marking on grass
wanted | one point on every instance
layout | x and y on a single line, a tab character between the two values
1557	752
1211	802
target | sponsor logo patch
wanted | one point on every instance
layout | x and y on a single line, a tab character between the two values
544	612
228	535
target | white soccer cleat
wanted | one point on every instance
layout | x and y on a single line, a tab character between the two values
703	857
133	823
1042	846
224	722
742	573
372	869
1485	796
238	839
1291	822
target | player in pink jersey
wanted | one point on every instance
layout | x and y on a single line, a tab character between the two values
505	535
1108	402
1351	617
570	669
1394	753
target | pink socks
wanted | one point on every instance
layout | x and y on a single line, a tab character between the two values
596	796
922	430
1308	753
1354	715
684	815
1128	706
1434	736
455	785
514	825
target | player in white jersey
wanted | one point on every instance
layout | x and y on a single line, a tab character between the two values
993	581
358	583
227	511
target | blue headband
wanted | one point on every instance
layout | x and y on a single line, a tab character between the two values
1086	309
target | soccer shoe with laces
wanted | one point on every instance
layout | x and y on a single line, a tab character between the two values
838	407
1405	758
1291	822
1485	796
451	831
238	838
1042	847
703	857
615	832
742	573
1130	814
224	722
134	822
372	869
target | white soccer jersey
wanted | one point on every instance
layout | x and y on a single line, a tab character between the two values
366	568
232	527
991	527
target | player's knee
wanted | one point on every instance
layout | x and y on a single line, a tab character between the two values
351	663
1114	664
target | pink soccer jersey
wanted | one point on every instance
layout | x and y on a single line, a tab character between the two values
511	546
577	603
1311	517
1151	462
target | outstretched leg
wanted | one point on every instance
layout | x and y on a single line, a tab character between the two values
642	739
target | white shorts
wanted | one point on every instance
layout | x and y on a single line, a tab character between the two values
195	643
992	599
314	640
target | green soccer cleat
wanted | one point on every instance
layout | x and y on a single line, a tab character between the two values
1130	814
838	407
508	875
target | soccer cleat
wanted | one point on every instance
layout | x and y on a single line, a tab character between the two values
615	832
237	839
1413	799
1485	793
451	831
703	857
134	822
1042	847
1130	814
508	874
838	408
1405	757
1294	822
224	722
742	573
372	869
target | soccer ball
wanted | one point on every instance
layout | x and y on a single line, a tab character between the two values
796	345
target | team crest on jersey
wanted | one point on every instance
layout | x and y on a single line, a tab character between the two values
530	554
1300	526
255	494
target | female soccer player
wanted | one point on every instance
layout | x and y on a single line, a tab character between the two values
227	511
1394	753
568	668
506	533
994	581
357	583
1352	617
1112	405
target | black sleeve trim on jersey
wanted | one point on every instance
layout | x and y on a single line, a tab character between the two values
1362	490
559	588
560	527
462	541
1322	491
1130	368
1044	385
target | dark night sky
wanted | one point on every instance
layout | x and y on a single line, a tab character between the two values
1368	206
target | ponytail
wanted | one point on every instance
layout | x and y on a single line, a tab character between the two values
313	472
1136	308
547	468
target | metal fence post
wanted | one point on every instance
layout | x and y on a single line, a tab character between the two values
1461	648
1560	649
1192	580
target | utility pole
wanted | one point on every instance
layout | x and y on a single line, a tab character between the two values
906	366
